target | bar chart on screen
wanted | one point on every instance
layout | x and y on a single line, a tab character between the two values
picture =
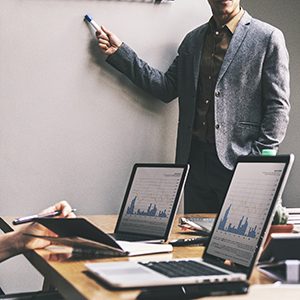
248	205
246	209
240	229
151	212
152	199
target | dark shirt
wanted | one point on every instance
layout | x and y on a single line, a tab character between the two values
215	46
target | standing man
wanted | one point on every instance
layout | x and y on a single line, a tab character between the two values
231	77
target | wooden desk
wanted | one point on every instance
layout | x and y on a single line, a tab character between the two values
69	275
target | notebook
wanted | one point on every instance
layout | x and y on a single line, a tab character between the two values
237	236
150	202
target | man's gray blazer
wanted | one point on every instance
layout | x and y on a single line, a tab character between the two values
251	93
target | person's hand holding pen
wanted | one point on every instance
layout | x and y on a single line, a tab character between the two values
26	242
109	43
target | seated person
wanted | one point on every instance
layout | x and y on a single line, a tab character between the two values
15	242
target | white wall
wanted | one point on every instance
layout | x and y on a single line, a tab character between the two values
71	127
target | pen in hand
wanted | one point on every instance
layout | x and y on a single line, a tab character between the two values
31	218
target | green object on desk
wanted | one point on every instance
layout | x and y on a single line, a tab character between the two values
281	215
268	152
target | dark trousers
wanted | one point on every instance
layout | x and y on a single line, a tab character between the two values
207	181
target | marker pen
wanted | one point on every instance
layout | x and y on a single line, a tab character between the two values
92	22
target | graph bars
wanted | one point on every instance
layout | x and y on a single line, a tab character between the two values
241	227
153	197
151	212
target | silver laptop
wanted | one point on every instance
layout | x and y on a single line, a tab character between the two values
150	202
236	239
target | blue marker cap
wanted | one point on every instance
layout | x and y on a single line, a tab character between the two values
92	22
88	18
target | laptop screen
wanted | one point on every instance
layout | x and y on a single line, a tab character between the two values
151	199
247	210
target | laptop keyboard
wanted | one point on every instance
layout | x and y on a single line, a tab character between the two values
181	268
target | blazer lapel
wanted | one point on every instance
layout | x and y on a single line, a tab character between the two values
197	53
235	43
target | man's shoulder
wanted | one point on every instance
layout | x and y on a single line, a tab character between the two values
259	25
193	40
194	37
196	31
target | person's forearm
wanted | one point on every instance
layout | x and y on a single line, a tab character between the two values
162	85
10	245
19	241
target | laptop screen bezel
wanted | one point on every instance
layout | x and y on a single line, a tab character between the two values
288	161
164	237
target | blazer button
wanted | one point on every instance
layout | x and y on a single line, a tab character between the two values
218	126
218	94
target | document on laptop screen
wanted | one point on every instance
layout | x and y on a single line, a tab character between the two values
150	200
244	212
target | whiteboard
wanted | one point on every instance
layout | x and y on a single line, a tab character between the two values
71	126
